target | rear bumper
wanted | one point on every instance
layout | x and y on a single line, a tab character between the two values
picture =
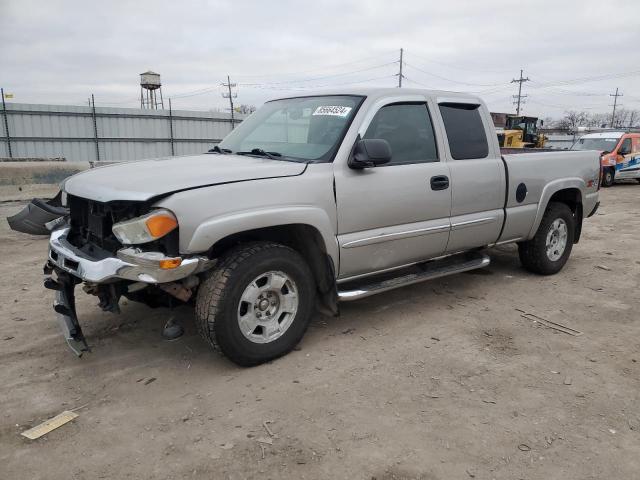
595	209
129	264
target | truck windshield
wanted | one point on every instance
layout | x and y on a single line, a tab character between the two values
599	144
300	129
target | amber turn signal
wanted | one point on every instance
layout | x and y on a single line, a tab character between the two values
161	224
169	263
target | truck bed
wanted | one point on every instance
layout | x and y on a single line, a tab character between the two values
531	173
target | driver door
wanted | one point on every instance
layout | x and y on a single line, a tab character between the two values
398	213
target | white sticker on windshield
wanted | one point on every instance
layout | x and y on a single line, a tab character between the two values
333	110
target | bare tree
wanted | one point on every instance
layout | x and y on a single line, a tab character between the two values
597	120
626	118
573	119
246	109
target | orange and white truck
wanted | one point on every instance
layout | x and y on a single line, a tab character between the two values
619	157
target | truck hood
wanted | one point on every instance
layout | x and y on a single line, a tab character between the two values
143	180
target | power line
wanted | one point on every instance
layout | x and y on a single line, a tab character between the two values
562	106
457	67
452	80
326	67
562	91
205	90
194	93
595	78
416	82
312	79
309	87
202	91
519	97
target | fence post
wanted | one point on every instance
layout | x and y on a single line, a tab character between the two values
95	127
171	129
6	123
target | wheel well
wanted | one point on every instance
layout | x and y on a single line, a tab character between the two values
573	199
304	239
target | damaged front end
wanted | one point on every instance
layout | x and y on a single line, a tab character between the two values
115	250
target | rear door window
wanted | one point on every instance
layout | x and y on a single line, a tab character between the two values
465	130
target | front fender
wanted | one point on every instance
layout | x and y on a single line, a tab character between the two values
549	190
211	231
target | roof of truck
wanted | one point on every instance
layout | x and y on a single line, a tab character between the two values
441	95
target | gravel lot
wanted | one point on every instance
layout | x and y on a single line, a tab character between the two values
442	380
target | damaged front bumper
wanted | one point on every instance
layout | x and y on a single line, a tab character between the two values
73	266
128	264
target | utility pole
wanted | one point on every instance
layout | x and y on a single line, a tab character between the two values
615	104
519	97
6	123
95	127
230	96
400	75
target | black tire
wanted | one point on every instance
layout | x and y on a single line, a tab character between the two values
533	253
219	298
608	177
638	180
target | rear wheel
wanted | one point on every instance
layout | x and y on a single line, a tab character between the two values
548	251
256	304
608	177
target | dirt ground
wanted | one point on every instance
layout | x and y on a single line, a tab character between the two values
442	380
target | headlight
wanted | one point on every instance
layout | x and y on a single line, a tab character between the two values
146	228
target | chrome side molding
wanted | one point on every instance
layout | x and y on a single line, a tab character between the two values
431	270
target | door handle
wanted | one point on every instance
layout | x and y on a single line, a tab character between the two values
439	182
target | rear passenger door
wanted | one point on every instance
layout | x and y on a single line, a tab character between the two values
477	175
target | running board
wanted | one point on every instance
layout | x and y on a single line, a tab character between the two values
431	270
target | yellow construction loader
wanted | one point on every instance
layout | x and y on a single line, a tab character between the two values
521	132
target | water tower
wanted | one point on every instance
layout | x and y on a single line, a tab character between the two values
150	86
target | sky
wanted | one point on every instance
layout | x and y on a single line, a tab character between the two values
574	52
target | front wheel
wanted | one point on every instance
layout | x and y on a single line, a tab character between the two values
548	251
256	304
608	177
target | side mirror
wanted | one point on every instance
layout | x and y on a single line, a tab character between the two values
370	152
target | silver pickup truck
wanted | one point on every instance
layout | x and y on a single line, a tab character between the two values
312	200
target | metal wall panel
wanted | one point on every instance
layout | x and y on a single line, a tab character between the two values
37	130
